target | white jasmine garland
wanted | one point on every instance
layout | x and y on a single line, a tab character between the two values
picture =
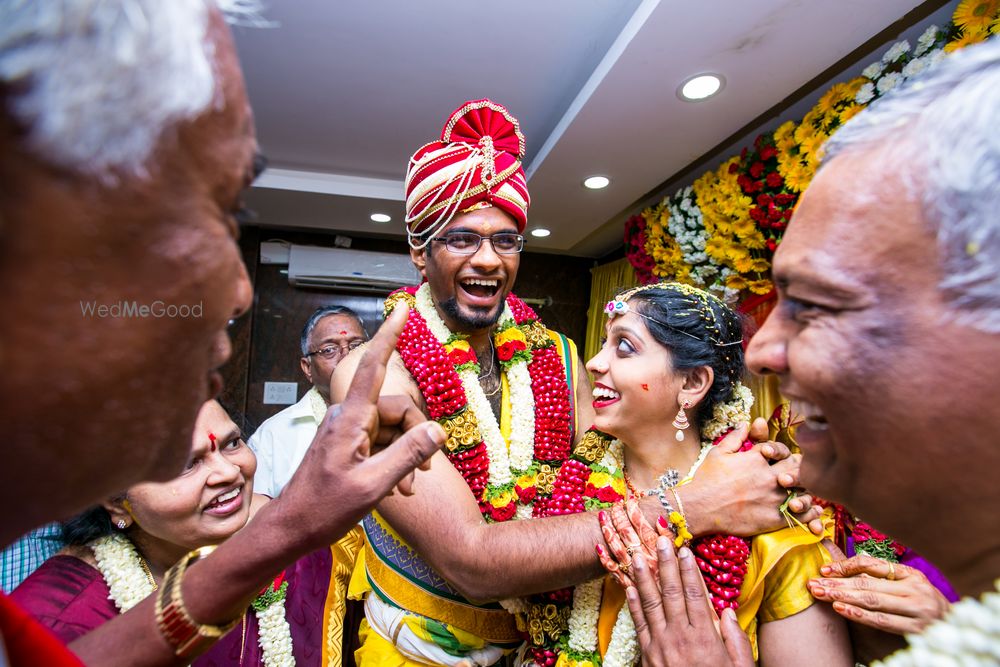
968	635
524	511
614	456
522	420
496	448
584	616
729	413
623	649
515	605
121	566
275	636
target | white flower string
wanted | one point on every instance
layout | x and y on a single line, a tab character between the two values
623	649
968	635
583	618
275	636
734	411
899	63
121	566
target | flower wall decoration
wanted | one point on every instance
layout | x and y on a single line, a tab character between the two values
720	233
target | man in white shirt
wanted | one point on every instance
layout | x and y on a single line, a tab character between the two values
281	441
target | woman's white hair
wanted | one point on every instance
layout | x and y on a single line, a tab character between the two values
95	83
942	132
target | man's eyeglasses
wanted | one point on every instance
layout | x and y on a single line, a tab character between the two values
467	243
331	351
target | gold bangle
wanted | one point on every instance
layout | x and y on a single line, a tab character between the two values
183	633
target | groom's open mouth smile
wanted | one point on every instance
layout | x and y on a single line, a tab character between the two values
479	291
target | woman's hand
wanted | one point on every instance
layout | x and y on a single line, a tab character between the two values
626	533
887	596
674	622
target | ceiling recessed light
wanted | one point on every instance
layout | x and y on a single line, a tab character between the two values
700	87
540	232
596	182
380	217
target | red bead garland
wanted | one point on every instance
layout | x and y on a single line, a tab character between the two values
722	560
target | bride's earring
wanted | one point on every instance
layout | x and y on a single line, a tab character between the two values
681	422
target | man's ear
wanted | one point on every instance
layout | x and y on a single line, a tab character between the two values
306	368
120	516
419	259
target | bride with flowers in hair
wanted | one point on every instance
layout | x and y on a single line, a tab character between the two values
668	387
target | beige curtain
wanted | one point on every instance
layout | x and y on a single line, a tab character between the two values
605	281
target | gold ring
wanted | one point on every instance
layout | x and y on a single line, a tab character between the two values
624	568
892	571
631	549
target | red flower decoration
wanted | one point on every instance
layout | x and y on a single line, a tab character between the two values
607	494
459	357
758	178
635	249
503	513
507	351
525	495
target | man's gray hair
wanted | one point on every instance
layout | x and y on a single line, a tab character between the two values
95	83
326	311
942	132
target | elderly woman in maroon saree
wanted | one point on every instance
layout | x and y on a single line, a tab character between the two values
116	555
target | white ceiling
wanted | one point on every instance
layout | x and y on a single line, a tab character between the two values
344	92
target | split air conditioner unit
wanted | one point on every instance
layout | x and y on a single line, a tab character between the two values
349	270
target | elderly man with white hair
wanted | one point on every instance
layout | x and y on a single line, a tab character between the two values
125	142
884	337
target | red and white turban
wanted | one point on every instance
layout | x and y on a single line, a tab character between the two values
476	163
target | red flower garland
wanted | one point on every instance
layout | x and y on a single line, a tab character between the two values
433	369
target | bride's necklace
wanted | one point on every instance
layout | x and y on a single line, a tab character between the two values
669	478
